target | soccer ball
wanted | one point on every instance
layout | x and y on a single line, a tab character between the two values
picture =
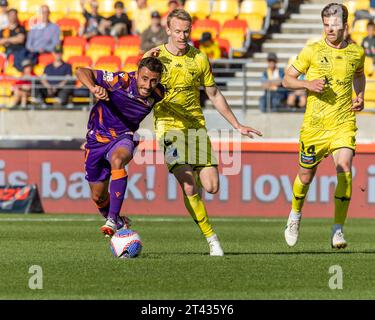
126	243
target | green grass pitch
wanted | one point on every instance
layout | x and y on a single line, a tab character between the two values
77	263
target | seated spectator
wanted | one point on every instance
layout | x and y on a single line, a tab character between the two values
208	46
368	42
13	39
4	22
119	24
172	5
95	24
154	35
143	20
275	94
56	88
22	87
297	98
43	36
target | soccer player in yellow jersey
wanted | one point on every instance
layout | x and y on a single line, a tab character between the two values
332	67
179	120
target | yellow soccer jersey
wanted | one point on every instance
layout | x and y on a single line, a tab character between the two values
182	78
330	109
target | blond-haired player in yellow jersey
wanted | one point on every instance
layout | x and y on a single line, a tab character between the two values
179	118
332	67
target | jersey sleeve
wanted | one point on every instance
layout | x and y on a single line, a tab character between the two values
109	80
303	60
207	77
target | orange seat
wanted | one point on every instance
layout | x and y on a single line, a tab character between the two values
3	60
108	63
128	46
257	15
235	32
73	46
205	25
223	10
130	40
200	9
100	46
80	61
45	58
103	41
224	47
131	63
68	26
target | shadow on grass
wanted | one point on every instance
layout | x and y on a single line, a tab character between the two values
160	255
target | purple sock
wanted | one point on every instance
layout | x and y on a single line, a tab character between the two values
117	192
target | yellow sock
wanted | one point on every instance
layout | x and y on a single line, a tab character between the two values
299	194
343	194
197	210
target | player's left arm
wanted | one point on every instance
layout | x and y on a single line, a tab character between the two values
221	105
359	84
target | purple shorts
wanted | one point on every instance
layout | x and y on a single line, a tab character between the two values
97	157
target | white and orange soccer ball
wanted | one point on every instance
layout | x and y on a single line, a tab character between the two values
126	243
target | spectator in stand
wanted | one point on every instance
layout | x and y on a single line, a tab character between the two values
3	14
208	46
95	24
43	36
56	88
13	39
143	17
154	35
172	5
119	24
22	87
274	94
368	43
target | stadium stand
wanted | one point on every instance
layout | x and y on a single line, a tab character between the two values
235	26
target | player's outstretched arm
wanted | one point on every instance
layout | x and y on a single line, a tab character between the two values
221	105
88	78
292	82
359	84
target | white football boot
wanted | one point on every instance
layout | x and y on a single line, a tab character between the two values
215	247
109	228
291	232
337	239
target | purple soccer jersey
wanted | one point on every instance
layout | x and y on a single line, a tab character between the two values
113	123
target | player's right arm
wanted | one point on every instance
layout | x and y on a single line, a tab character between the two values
292	82
301	66
88	78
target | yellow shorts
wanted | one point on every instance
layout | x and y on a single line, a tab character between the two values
190	146
316	144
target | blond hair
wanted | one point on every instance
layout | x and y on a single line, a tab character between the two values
179	14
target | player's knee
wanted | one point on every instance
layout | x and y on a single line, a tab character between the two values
343	166
118	161
189	189
306	178
212	188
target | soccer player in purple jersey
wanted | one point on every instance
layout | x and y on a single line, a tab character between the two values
124	100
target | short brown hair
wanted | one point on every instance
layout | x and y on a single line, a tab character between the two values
151	63
179	14
332	9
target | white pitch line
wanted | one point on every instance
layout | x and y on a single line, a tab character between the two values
148	219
